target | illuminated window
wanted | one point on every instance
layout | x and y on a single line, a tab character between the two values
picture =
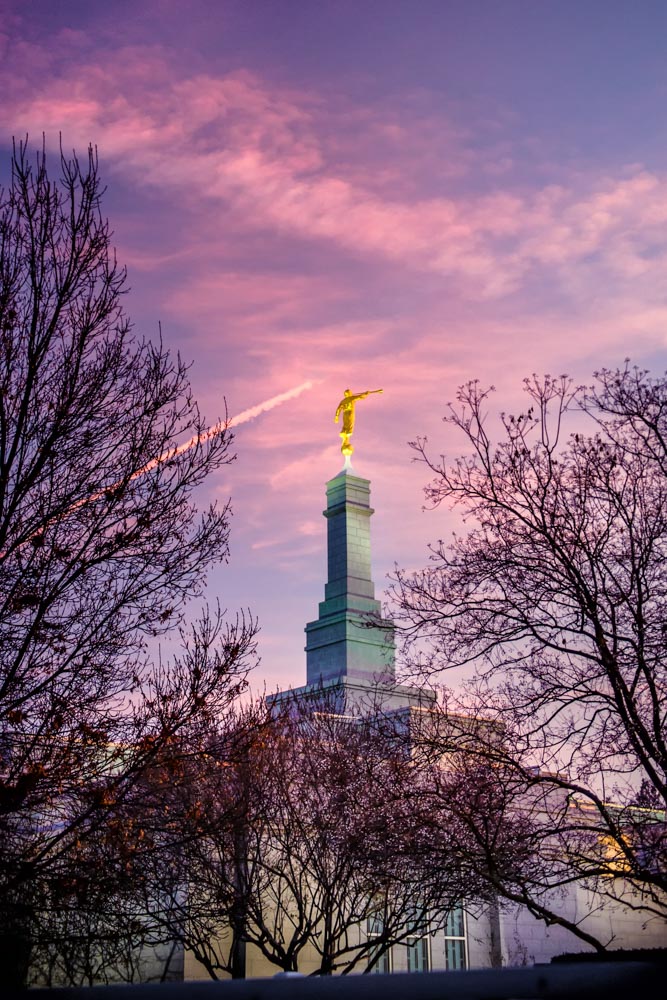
418	956
418	947
455	939
374	929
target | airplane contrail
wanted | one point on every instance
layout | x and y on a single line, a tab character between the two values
254	411
166	456
240	418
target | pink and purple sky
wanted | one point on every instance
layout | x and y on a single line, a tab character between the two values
397	193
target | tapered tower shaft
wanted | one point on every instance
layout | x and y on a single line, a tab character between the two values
349	640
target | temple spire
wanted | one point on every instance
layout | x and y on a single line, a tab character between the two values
350	653
344	643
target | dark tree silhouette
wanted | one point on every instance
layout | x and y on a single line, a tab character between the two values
313	836
558	596
101	544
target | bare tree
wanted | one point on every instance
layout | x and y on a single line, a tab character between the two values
194	869
101	544
558	597
322	840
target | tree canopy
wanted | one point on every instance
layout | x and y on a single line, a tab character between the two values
101	543
556	595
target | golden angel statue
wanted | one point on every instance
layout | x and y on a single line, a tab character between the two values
346	407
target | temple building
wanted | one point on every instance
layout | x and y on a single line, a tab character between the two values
350	658
349	646
350	675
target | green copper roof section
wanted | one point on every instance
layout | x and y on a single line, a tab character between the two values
343	643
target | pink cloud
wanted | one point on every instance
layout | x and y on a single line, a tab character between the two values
402	276
229	139
262	153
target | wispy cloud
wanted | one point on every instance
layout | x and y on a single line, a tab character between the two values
262	153
295	233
